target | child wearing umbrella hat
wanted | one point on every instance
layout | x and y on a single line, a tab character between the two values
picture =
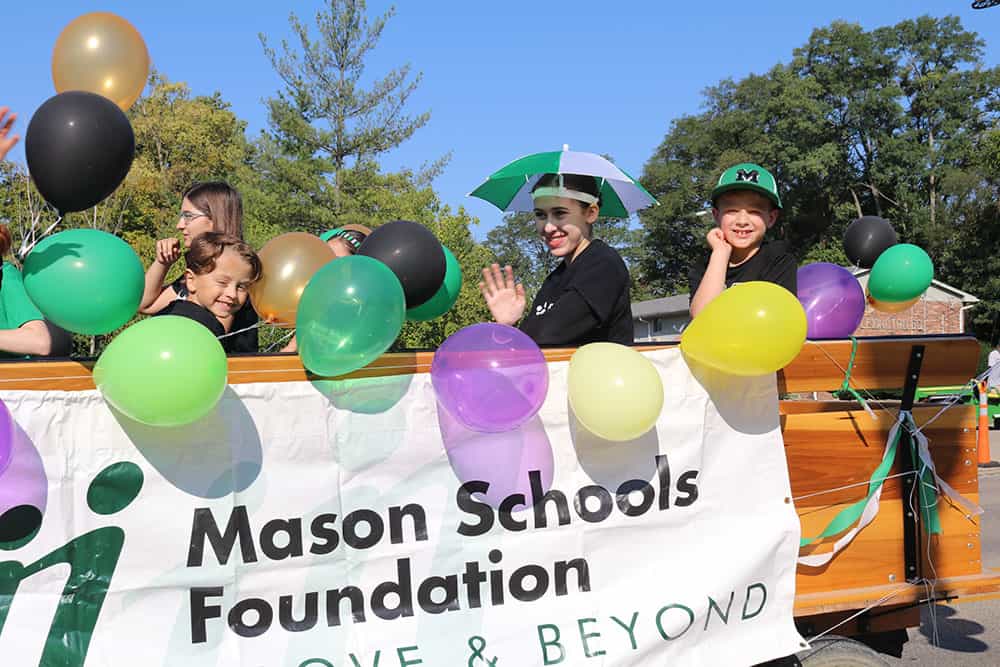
586	298
745	204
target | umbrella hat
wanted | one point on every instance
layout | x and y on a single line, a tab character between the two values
509	189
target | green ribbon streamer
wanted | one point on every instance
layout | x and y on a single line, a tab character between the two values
927	493
850	515
846	386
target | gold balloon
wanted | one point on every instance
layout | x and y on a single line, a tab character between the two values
288	261
615	392
891	306
101	53
752	328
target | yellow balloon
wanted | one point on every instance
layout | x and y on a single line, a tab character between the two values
891	306
288	261
750	329
615	392
101	53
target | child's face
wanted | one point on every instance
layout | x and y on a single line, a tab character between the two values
193	222
339	247
563	223
224	290
744	216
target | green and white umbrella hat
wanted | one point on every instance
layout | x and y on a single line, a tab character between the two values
509	189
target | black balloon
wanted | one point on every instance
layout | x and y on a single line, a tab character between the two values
866	238
79	148
413	253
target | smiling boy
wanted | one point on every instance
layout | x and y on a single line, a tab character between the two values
745	204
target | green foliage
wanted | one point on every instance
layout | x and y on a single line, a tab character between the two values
328	130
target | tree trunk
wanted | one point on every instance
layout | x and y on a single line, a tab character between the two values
857	202
876	197
933	188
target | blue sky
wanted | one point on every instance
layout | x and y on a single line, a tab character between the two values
500	79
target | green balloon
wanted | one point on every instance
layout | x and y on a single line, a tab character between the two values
163	371
901	273
350	312
445	297
84	280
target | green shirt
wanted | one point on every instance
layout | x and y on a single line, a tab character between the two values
15	306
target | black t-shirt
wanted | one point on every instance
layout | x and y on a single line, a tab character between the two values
196	312
583	301
773	263
241	343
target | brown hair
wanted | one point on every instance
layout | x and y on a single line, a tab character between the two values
222	204
207	248
5	240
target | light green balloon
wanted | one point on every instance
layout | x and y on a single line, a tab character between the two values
84	280
350	312
163	371
445	297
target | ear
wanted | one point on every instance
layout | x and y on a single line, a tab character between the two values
189	281
591	214
718	217
772	217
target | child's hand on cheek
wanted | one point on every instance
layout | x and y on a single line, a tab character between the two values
717	241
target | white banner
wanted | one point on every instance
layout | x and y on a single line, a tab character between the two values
350	524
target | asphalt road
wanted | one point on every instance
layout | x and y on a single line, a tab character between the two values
968	633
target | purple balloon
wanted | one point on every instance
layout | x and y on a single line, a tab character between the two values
505	461
6	436
23	486
832	298
490	377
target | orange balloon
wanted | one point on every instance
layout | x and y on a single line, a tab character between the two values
101	53
288	262
891	306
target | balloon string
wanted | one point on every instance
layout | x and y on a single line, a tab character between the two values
239	331
280	340
24	251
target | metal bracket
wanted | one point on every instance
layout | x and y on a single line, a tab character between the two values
912	535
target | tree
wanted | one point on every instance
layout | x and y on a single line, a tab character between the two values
943	103
327	130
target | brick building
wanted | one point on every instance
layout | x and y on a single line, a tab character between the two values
940	310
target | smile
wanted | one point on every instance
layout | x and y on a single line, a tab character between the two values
555	241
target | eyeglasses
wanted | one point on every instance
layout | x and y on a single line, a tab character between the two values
188	216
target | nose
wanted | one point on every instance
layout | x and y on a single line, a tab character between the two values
549	227
181	224
230	292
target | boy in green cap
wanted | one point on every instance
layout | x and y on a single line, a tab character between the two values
745	204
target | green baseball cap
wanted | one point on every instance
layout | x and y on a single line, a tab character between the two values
748	176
